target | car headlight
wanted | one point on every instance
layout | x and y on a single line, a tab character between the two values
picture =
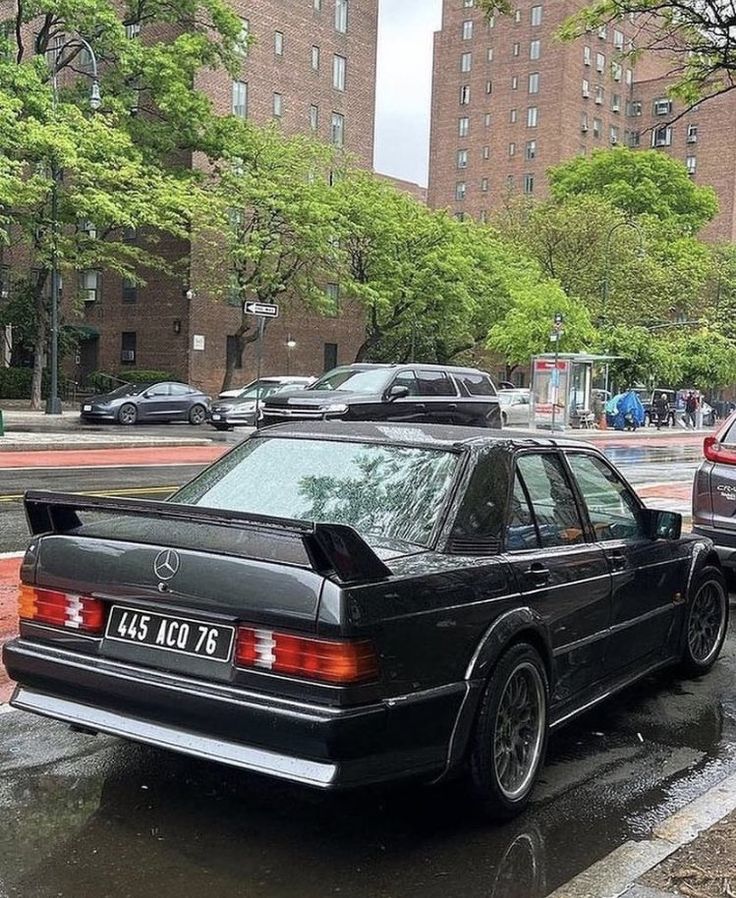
337	408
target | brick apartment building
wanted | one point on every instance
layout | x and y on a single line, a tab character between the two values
510	99
312	68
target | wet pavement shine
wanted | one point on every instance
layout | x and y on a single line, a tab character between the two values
96	817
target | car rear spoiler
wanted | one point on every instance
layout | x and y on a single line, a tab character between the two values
333	550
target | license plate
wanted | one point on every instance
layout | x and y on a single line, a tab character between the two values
88	408
180	635
215	417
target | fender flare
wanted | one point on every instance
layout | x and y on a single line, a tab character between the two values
501	633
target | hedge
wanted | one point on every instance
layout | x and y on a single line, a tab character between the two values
15	383
102	382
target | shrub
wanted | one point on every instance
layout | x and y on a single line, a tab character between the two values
101	382
15	383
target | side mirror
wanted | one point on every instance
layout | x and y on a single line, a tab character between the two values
663	524
397	391
147	394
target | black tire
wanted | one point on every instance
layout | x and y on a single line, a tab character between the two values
127	414
706	622
222	427
197	415
519	679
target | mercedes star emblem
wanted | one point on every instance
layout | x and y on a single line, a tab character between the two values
166	564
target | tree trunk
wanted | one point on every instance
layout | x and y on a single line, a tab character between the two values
244	335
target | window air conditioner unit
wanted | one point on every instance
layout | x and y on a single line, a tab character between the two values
599	101
583	128
614	141
692	138
90	295
616	107
128	355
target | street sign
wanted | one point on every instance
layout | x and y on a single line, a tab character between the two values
262	309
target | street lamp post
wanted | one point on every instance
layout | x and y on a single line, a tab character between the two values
557	332
626	223
53	403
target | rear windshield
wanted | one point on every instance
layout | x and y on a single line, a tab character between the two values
393	493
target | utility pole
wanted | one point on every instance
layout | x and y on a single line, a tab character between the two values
557	331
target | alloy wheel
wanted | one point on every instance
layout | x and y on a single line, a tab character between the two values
707	622
128	414
519	731
197	415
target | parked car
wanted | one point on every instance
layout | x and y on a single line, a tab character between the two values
149	403
286	379
650	407
714	493
515	407
414	394
240	410
342	604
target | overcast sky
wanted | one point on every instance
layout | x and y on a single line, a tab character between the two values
405	86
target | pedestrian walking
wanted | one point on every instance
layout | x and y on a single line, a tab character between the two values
662	409
691	406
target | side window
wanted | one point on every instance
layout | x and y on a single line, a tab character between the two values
407	379
180	390
475	384
435	383
480	518
613	511
522	531
553	502
159	390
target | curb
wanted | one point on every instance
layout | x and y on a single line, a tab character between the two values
99	444
615	874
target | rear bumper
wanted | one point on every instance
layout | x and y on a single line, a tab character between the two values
311	744
724	543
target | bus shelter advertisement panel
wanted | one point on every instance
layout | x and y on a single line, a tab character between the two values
551	381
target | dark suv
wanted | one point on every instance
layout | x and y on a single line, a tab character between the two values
427	394
714	494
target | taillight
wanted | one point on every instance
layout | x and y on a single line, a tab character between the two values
715	451
61	609
342	662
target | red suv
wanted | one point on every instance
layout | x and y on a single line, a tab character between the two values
714	494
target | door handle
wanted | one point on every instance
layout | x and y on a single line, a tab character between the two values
539	573
618	559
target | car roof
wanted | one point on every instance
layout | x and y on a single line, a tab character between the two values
437	435
453	369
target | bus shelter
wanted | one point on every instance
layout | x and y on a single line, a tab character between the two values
562	389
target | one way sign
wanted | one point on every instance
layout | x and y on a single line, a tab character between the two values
262	309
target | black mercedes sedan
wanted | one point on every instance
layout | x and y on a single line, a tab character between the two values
156	402
341	605
414	393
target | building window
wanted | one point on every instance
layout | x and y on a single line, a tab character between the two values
486	152
530	151
600	62
614	135
634	108
535	49
616	103
278	105
534	83
89	282
512	116
132	30
484	185
88	228
333	295
461	189
315	58
317	5
489	54
130	290
514	82
314	117
536	16
240	99
330	356
618	39
662	136
517	16
468	30
586	87
233	351
662	106
532	117
278	43
692	164
587	56
597	127
489	87
600	95
341	16
462	158
603	32
127	347
339	64
629	77
466	62
528	183
468	4
483	216
512	149
465	95
463	126
487	120
516	49
634	139
616	71
338	129
584	122
692	133
242	40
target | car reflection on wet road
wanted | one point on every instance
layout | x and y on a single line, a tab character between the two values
94	817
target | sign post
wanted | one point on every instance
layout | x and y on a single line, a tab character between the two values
262	311
557	332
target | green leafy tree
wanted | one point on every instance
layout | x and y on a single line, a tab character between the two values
639	183
268	233
640	356
708	359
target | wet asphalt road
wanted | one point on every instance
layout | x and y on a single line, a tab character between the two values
93	817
